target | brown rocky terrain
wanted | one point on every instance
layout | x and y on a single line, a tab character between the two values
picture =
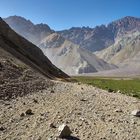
17	78
90	113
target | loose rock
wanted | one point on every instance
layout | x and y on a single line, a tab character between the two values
118	110
35	100
29	112
2	128
110	90
22	115
136	113
52	125
64	131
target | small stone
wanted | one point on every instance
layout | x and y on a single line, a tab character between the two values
29	112
2	128
24	103
136	113
35	101
83	100
110	90
118	110
64	131
118	91
22	115
52	125
52	91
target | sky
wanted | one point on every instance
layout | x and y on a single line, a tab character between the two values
64	14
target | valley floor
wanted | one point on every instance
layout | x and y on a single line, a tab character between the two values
91	114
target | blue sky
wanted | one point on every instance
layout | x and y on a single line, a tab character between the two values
63	14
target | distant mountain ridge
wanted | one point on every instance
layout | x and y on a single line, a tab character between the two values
123	50
100	37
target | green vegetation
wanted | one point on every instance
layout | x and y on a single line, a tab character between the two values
129	87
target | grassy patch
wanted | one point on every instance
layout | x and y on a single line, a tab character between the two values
129	87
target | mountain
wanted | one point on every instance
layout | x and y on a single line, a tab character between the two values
70	57
33	33
101	37
113	43
125	51
92	39
124	26
59	50
26	52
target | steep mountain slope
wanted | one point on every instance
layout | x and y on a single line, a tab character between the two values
124	51
129	55
101	37
27	52
70	57
28	30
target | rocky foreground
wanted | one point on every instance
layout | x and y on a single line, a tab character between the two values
90	113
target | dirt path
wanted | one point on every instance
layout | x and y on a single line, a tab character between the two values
91	113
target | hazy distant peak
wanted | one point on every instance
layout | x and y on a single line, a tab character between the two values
29	30
22	20
19	20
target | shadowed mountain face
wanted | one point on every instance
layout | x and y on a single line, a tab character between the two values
125	51
101	37
27	52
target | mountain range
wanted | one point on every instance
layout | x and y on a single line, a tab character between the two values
85	50
101	37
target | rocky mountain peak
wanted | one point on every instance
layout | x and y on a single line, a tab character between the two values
122	26
18	20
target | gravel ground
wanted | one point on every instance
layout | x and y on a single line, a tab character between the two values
19	80
91	114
